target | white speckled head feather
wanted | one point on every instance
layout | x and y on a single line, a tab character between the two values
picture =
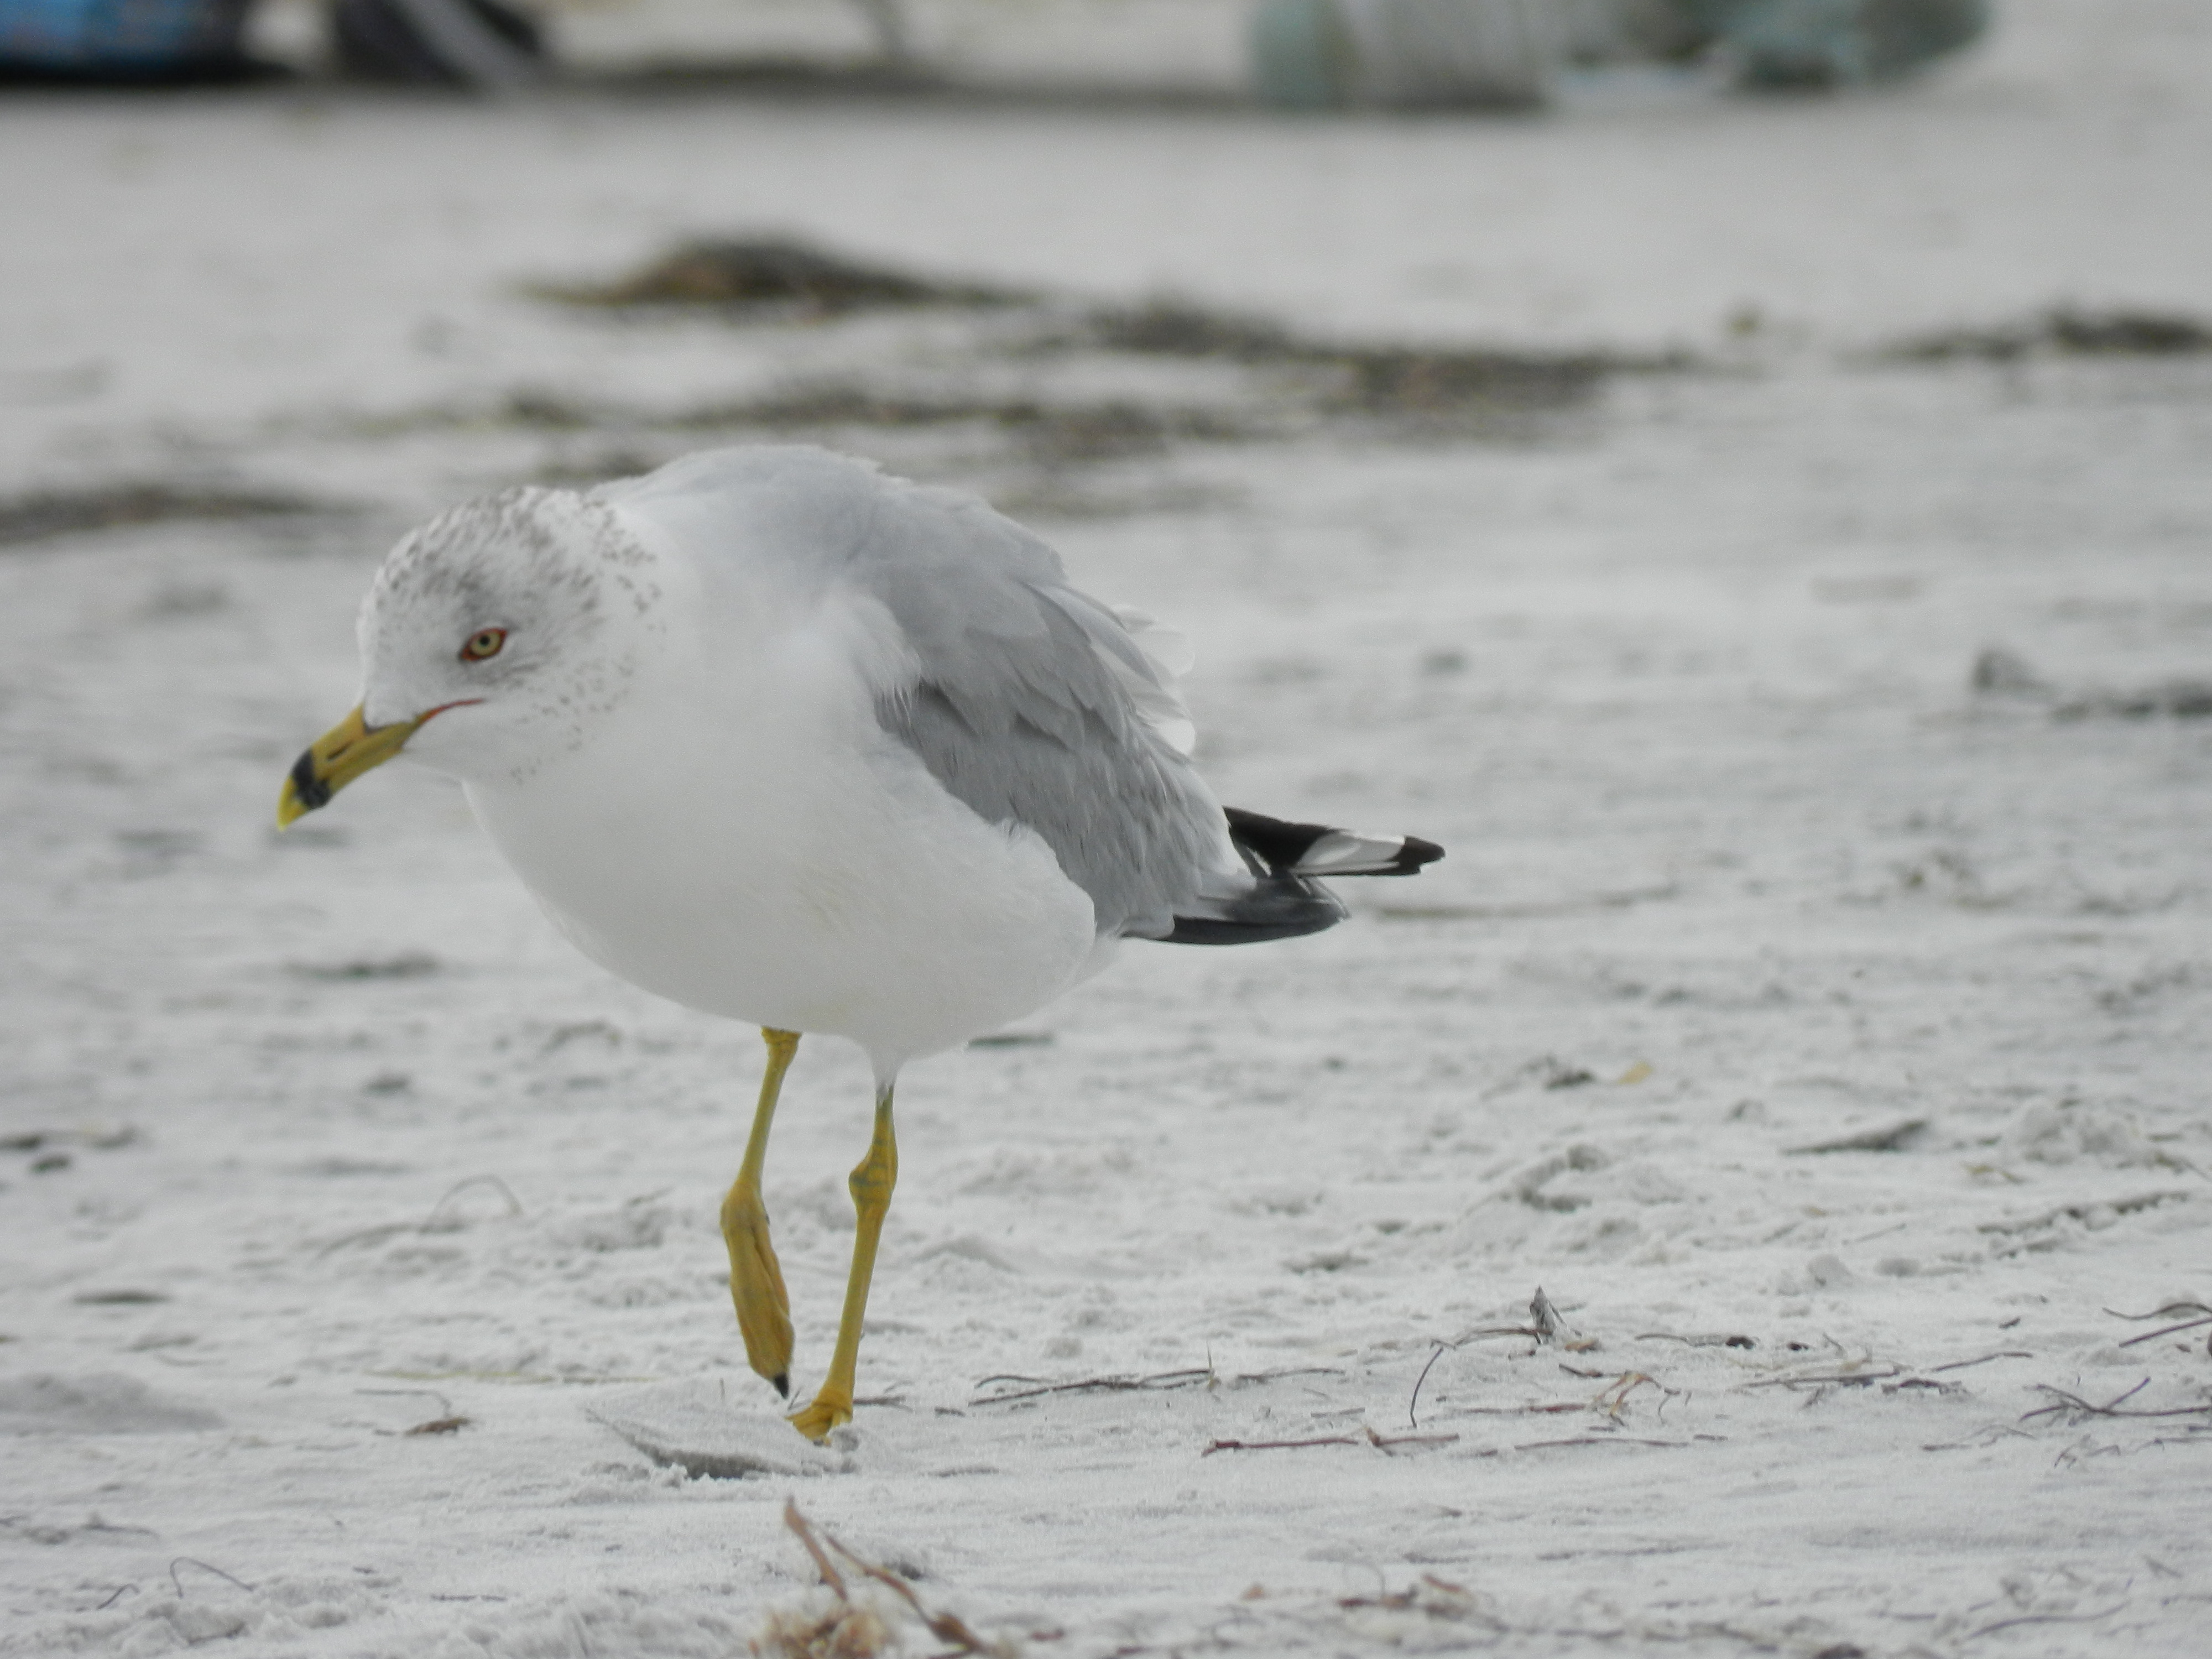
574	597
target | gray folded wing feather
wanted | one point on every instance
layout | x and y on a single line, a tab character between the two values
1024	708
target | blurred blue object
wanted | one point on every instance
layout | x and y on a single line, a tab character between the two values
139	37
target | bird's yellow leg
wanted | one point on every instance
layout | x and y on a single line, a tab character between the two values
871	1183
756	1277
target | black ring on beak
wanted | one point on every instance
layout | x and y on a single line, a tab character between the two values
312	791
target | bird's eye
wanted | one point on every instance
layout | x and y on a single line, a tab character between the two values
484	642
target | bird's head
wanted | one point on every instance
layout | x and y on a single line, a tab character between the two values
492	639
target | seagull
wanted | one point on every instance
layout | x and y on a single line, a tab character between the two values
779	737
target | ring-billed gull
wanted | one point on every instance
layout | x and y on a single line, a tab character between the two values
780	737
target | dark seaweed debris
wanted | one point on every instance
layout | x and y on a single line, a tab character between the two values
2062	332
774	273
408	964
1371	379
2180	699
1055	429
59	512
782	280
1073	431
2001	673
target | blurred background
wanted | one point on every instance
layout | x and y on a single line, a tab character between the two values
1736	473
1291	53
276	233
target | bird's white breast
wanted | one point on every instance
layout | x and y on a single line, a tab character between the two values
742	836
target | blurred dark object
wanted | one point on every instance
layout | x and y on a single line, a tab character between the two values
2064	333
1403	54
1633	31
1415	54
480	43
1998	672
47	512
769	271
1791	44
133	41
893	38
2179	700
1301	55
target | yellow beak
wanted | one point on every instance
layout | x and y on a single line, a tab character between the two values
336	759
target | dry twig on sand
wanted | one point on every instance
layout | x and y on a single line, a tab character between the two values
1545	1326
1889	1138
1437	1597
1544	1408
1709	1339
2204	1313
1607	1440
1966	1364
1278	1445
438	1221
1189	1378
449	1421
1383	1443
1611	1400
204	1566
852	1630
2071	1406
1825	1379
2043	1619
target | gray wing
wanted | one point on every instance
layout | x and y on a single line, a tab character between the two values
1027	707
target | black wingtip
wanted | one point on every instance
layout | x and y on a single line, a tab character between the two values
1277	907
782	1381
1413	854
1279	847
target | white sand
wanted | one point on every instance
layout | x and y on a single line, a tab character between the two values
1681	679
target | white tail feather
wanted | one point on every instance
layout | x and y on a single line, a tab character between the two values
1349	853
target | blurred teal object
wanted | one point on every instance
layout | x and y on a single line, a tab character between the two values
1301	55
144	37
1445	54
1834	43
1403	54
